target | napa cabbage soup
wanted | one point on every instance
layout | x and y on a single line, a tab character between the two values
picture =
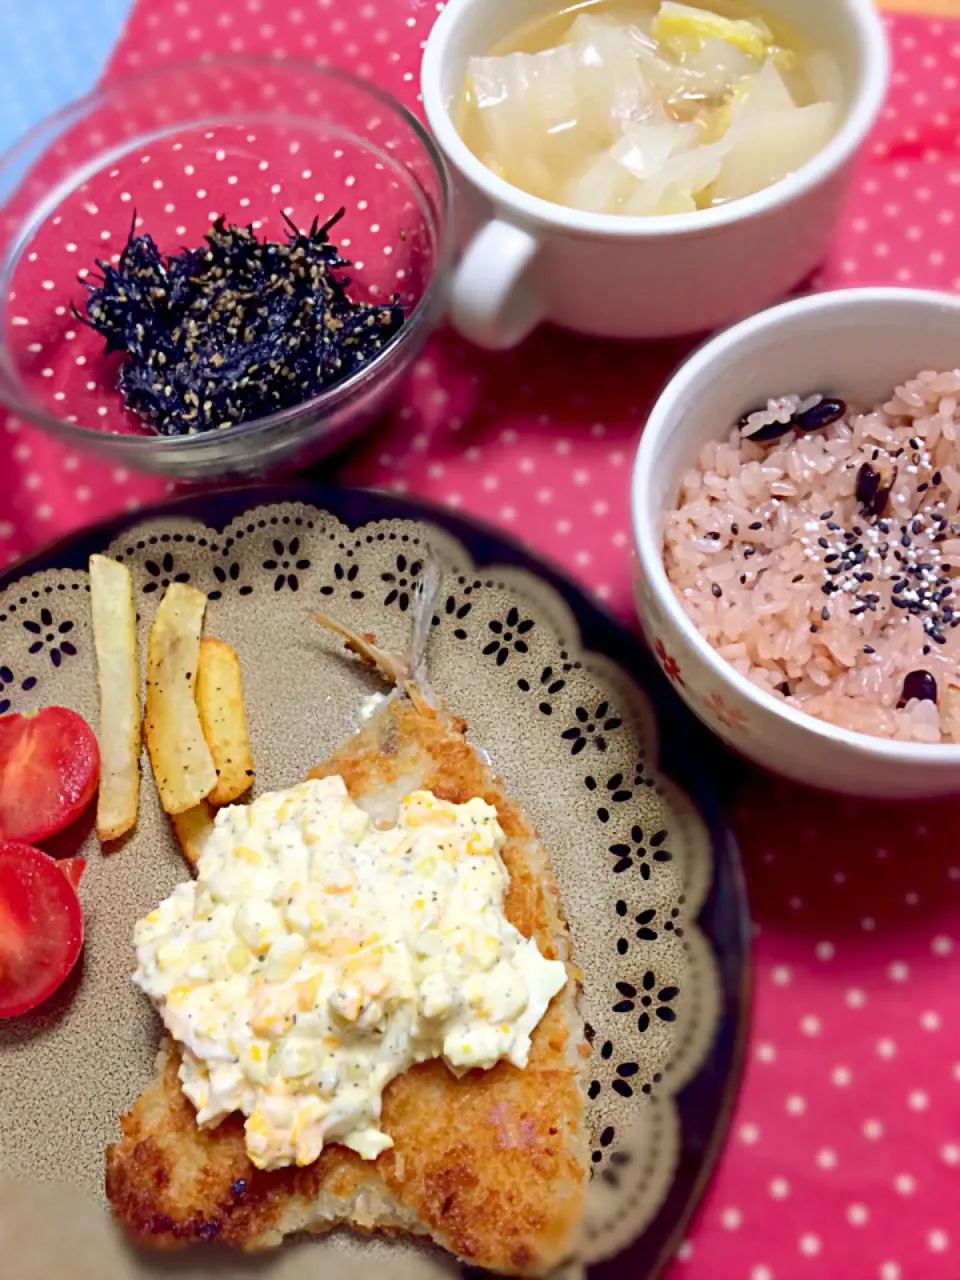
636	109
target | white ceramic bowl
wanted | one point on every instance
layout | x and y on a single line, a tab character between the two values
857	344
529	261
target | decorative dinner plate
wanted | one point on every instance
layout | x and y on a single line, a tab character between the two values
573	715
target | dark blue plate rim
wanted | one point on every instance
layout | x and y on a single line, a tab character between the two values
687	755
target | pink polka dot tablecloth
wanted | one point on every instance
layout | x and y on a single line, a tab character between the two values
844	1155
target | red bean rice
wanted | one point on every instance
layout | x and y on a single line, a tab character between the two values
814	590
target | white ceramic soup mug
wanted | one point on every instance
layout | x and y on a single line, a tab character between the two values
529	261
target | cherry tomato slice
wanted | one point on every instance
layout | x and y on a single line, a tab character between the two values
49	767
72	868
41	928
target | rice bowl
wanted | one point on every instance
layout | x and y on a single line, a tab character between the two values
854	346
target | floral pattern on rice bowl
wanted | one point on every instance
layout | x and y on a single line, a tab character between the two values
671	668
817	549
730	717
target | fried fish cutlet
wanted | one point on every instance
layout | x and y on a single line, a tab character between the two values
491	1166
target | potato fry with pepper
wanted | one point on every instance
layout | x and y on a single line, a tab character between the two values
224	720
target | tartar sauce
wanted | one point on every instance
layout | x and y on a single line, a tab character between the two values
316	957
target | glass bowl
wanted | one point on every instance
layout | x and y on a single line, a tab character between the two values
166	153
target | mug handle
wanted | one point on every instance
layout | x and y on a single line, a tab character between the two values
490	302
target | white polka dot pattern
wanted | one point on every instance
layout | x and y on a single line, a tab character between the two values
844	1155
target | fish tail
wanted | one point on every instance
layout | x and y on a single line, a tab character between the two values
407	671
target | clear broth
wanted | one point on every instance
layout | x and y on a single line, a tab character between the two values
551	29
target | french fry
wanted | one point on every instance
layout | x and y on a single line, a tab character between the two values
192	828
182	764
224	720
118	671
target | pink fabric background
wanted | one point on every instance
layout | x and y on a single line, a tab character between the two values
844	1157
